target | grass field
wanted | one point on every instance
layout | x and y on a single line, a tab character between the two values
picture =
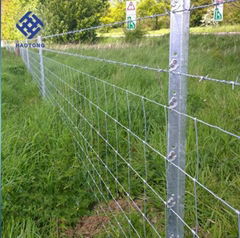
118	32
45	191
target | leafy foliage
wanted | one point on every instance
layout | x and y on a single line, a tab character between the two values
114	13
63	16
152	7
134	35
232	13
12	11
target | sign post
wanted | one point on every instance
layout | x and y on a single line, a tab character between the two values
218	11
131	14
27	57
42	80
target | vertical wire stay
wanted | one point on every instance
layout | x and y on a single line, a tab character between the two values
145	166
106	128
116	137
238	214
129	154
196	177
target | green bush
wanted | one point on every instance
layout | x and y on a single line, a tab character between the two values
134	35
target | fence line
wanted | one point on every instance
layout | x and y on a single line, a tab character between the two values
145	98
133	134
126	160
126	128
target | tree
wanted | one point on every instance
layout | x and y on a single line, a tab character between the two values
116	12
197	15
231	13
66	15
152	7
12	11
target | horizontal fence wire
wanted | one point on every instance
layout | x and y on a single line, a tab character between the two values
144	98
144	67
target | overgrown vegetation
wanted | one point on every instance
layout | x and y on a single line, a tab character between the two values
44	189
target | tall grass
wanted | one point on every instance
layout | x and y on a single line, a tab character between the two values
43	184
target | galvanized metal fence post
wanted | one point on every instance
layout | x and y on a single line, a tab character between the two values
178	59
16	50
27	57
42	80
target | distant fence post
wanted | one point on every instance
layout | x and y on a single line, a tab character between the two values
177	93
16	49
27	57
42	80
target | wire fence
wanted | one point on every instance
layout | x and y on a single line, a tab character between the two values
124	140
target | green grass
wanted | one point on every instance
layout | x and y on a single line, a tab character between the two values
46	188
118	32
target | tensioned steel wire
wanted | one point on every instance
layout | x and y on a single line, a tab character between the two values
59	92
144	67
145	98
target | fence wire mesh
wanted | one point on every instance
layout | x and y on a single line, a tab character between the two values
120	137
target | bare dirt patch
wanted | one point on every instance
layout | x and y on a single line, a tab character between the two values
120	205
88	227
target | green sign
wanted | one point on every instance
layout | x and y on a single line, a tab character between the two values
130	25
218	13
